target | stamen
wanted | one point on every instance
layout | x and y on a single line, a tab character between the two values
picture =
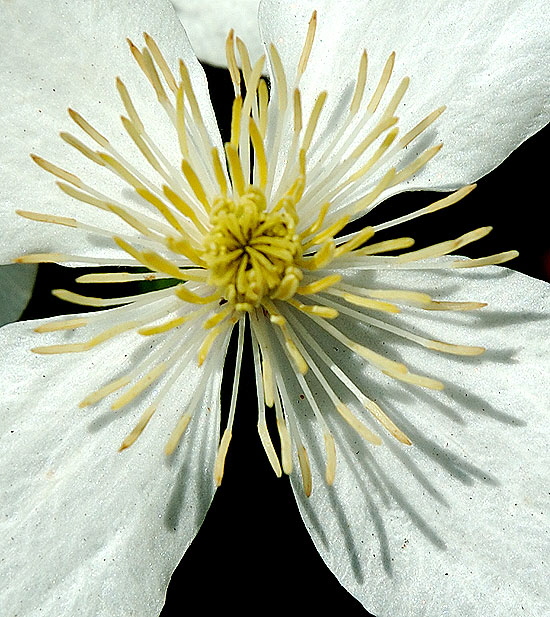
232	62
183	422
138	429
135	223
407	172
319	285
323	256
59	258
219	464
280	78
416	380
314	227
383	247
314	119
308	44
357	425
314	309
217	317
139	139
359	84
355	241
57	171
292	349
166	326
161	62
140	386
449	200
491	260
235	168
376	305
462	350
47	218
171	324
81	147
128	104
236	120
387	180
195	109
183	207
67	324
396	98
420	127
184	294
374	159
70	296
88	129
443	248
260	168
382	84
161	207
145	61
245	60
328	233
209	341
263	98
180	122
226	438
104	391
83	197
176	434
87	345
119	277
120	170
284	437
219	171
195	184
148	258
264	385
297	107
371	406
305	469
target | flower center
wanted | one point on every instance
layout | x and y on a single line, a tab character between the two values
250	253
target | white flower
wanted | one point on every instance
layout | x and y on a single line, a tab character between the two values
351	347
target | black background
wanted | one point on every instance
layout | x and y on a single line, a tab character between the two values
253	554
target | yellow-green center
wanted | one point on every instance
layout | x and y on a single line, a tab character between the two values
251	252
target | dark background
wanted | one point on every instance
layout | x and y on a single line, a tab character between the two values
253	554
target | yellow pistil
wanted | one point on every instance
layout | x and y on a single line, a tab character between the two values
250	253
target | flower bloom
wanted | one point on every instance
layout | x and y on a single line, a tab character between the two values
262	233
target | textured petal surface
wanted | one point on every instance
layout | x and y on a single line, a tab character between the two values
87	530
16	283
483	60
68	54
207	25
456	524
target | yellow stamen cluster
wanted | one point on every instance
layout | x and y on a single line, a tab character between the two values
250	253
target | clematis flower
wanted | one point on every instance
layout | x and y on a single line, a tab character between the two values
419	462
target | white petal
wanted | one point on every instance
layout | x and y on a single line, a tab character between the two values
87	530
16	283
207	25
68	55
484	60
457	523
